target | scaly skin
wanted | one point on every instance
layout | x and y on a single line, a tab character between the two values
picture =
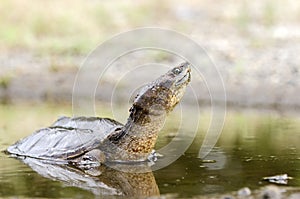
136	140
92	141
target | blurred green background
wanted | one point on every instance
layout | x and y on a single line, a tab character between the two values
254	44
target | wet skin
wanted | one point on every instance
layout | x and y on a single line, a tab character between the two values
93	140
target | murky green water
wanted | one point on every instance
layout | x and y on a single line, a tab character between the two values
252	145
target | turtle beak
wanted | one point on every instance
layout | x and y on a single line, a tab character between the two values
186	75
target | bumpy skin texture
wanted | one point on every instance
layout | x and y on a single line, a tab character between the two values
83	140
136	140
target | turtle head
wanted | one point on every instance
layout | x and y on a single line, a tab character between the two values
162	95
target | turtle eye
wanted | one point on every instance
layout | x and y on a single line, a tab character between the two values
177	71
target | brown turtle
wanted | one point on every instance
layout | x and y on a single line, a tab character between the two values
93	140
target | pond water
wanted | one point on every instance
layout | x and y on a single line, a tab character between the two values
253	145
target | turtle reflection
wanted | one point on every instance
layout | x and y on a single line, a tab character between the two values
101	180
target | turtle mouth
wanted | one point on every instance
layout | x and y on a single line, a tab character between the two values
185	79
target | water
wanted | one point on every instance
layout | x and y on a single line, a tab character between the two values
253	145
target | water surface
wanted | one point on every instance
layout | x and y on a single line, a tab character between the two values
253	144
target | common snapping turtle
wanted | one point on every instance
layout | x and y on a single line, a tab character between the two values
93	140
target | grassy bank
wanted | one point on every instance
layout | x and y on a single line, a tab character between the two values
77	26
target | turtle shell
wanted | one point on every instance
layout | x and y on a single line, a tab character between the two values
66	138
